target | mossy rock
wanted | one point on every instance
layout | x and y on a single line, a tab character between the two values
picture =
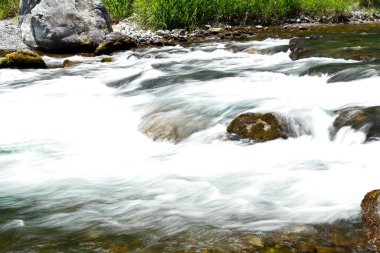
110	46
363	119
107	59
23	60
261	127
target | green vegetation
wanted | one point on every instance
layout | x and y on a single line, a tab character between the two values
170	14
119	8
8	8
189	13
370	3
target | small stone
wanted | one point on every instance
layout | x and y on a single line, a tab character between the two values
68	63
215	31
207	27
259	27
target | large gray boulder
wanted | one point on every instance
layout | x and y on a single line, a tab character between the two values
63	25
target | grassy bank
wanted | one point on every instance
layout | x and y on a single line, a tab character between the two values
168	14
190	13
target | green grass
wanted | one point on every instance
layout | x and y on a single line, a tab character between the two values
8	8
169	14
190	13
119	8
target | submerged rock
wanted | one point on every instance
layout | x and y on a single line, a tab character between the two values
371	217
68	63
353	74
115	42
360	119
171	126
263	127
23	60
64	25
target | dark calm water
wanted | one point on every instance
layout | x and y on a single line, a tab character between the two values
78	172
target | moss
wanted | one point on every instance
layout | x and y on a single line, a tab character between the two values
260	127
22	60
87	46
279	249
107	59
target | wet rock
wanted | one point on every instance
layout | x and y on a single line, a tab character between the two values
68	63
360	119
352	74
115	42
107	59
171	126
63	26
23	60
370	216
263	127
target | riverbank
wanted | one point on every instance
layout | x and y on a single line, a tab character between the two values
10	34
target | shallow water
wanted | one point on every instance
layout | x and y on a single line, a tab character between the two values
78	173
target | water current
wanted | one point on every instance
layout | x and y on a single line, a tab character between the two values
136	151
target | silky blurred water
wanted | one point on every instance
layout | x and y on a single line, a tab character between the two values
77	171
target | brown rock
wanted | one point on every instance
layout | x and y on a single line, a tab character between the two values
370	217
360	119
261	127
115	42
68	63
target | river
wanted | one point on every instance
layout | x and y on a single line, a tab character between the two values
80	172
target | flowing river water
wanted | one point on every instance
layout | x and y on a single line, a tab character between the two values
133	155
